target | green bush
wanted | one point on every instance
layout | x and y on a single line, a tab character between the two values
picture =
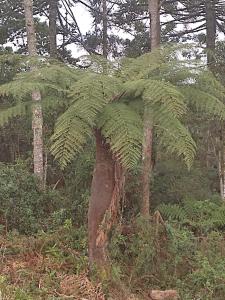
23	206
170	256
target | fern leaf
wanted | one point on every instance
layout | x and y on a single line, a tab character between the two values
173	211
204	102
19	109
122	127
174	135
166	95
88	96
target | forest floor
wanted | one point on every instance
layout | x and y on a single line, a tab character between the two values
46	267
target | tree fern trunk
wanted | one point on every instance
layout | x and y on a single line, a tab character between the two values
106	188
37	119
154	15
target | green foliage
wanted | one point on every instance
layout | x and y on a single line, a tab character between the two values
168	256
89	96
51	80
200	216
122	128
23	206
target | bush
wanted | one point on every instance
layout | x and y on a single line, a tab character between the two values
170	256
23	206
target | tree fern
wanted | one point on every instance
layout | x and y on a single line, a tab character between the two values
122	128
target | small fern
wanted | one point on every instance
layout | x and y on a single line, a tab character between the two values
201	216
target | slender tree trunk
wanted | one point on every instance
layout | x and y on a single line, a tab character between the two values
37	119
104	29
53	10
210	32
106	191
155	32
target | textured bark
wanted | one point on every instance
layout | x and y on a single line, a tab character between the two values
210	31
104	29
53	9
147	165
106	188
154	14
37	118
155	28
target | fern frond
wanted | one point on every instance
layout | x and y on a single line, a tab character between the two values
50	79
88	96
207	82
173	135
122	128
203	101
19	109
173	212
70	135
166	95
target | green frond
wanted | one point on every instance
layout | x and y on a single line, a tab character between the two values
135	88
96	86
165	94
48	79
173	212
173	135
123	129
88	96
19	109
71	132
204	102
207	82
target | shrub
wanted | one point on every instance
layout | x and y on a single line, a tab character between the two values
23	206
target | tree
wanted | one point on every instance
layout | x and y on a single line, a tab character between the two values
37	120
53	12
155	33
112	110
108	108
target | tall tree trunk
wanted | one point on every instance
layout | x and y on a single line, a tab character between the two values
53	11
210	31
37	119
104	29
106	189
155	32
107	185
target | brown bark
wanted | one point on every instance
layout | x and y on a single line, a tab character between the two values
37	119
154	14
106	188
53	9
155	28
104	29
210	31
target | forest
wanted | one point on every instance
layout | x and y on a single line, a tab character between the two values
112	149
